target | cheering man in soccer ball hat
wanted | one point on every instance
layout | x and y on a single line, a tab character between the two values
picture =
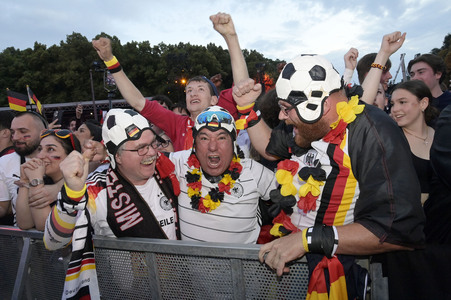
349	189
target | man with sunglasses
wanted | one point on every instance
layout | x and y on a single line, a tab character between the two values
353	183
220	190
200	91
26	129
135	197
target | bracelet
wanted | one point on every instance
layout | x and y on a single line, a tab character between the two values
321	239
113	65
244	109
248	120
378	66
21	184
248	116
75	195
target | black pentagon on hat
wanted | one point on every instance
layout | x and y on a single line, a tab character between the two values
111	121
131	112
288	71
296	97
318	73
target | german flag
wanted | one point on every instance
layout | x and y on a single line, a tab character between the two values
34	99
17	101
317	288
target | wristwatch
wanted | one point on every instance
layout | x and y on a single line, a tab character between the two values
36	182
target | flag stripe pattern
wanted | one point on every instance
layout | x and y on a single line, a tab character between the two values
34	100
17	101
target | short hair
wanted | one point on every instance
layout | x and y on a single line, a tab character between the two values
181	106
37	117
268	105
420	90
6	117
364	65
164	99
434	61
95	128
212	87
68	140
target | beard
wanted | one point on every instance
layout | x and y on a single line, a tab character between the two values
28	148
305	133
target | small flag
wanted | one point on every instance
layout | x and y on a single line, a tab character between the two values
34	100
17	101
102	116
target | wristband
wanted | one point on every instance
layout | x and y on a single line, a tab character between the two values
245	109
248	116
321	239
22	184
75	195
378	66
113	65
304	240
347	75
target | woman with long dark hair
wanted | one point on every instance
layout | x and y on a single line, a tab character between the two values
412	110
54	147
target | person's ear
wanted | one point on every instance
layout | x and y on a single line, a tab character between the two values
327	105
438	75
5	133
214	100
424	103
118	159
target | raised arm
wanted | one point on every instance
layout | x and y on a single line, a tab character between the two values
390	44
60	224
245	93
223	24
128	90
350	59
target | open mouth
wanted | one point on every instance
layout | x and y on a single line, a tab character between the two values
214	160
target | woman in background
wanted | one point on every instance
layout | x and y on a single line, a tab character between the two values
412	112
54	147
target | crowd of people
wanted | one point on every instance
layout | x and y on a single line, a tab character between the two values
316	167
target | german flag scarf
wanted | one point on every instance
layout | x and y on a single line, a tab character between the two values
318	287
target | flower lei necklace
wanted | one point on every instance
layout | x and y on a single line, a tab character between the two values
215	195
313	177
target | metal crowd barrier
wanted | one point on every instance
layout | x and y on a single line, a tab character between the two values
135	268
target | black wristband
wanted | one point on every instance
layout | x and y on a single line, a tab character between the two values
322	239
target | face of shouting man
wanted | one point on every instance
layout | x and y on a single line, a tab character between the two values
304	133
214	150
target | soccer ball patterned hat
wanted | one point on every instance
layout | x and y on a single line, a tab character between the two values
305	83
122	125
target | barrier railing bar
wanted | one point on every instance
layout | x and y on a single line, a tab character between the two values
154	276
239	288
22	270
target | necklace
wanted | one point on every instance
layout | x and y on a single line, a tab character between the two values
216	195
313	177
418	137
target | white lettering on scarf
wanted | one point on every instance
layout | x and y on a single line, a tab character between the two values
129	213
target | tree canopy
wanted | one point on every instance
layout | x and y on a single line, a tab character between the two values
61	73
445	53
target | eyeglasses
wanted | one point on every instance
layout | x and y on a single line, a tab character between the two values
285	109
214	116
61	133
143	150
